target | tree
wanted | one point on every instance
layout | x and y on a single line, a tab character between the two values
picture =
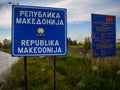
87	45
0	45
74	42
71	42
6	43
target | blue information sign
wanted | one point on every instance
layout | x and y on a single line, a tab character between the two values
38	31
103	35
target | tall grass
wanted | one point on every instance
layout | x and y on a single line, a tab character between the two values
72	73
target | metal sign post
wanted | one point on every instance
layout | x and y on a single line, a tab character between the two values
38	31
54	72
25	72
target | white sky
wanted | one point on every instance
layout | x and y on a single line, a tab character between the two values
78	10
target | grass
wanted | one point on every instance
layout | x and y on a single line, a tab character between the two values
118	45
76	46
37	79
5	50
72	73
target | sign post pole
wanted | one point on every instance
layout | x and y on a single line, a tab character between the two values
25	72
47	29
54	72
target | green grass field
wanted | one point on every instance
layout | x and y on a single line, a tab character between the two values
72	73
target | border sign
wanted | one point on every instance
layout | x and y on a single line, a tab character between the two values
38	31
103	35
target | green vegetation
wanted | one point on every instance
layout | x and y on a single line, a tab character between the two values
5	46
118	45
72	73
5	50
77	46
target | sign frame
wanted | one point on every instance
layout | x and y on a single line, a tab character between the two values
63	31
103	29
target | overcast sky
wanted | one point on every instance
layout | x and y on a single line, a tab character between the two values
78	12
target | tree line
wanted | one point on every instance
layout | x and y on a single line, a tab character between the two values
6	44
86	43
